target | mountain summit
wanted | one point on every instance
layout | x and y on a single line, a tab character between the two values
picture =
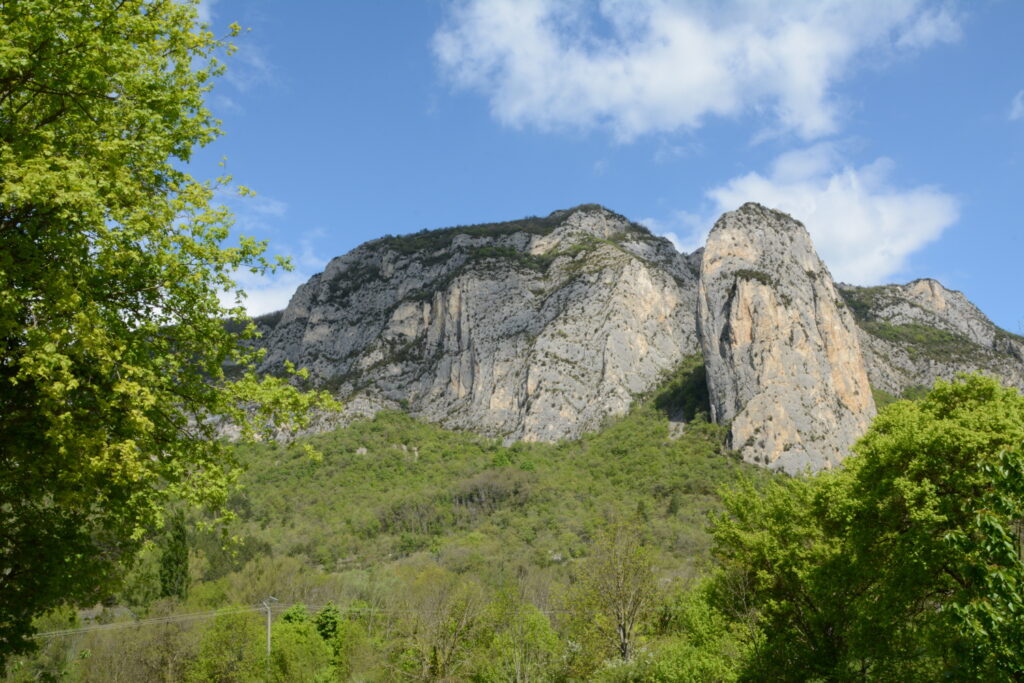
541	329
537	329
783	361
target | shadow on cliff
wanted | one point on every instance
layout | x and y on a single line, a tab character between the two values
683	396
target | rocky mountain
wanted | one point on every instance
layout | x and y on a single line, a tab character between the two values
916	333
783	361
543	328
537	329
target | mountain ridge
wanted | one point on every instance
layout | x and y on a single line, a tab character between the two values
541	329
475	327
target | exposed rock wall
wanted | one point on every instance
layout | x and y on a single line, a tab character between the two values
916	333
538	333
783	360
541	329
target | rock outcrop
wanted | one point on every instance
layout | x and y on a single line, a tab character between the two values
783	361
542	328
916	333
537	329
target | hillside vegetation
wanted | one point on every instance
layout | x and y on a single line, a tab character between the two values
407	552
401	524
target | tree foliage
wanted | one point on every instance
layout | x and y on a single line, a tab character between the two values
616	591
232	650
907	564
299	652
112	336
174	559
517	642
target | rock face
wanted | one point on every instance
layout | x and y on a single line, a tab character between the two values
916	333
783	361
541	329
537	329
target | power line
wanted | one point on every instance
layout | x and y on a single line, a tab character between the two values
145	622
193	616
173	618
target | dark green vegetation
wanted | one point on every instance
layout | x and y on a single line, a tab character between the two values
434	248
862	301
906	565
922	341
883	398
432	240
756	275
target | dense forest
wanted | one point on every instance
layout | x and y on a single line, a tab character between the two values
643	552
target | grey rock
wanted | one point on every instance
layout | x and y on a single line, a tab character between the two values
783	360
542	329
533	331
916	333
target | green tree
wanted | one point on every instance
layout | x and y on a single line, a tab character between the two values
299	653
704	644
344	637
439	616
518	642
328	621
777	558
174	559
232	649
932	508
907	564
615	591
113	342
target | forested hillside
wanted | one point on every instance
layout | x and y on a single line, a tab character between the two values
643	552
447	554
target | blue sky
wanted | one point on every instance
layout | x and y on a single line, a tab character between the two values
893	130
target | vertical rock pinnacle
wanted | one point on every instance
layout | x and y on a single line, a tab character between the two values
784	364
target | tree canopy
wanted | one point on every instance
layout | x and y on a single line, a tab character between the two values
113	338
905	565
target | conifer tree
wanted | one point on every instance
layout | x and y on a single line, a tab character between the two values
174	559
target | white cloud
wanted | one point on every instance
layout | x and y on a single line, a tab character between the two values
268	293
261	216
937	25
252	213
272	292
668	151
686	231
249	68
1017	106
656	65
219	103
204	11
863	226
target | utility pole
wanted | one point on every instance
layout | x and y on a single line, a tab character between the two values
266	606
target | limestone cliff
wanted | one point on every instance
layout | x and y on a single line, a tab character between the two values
783	361
916	333
537	329
542	328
